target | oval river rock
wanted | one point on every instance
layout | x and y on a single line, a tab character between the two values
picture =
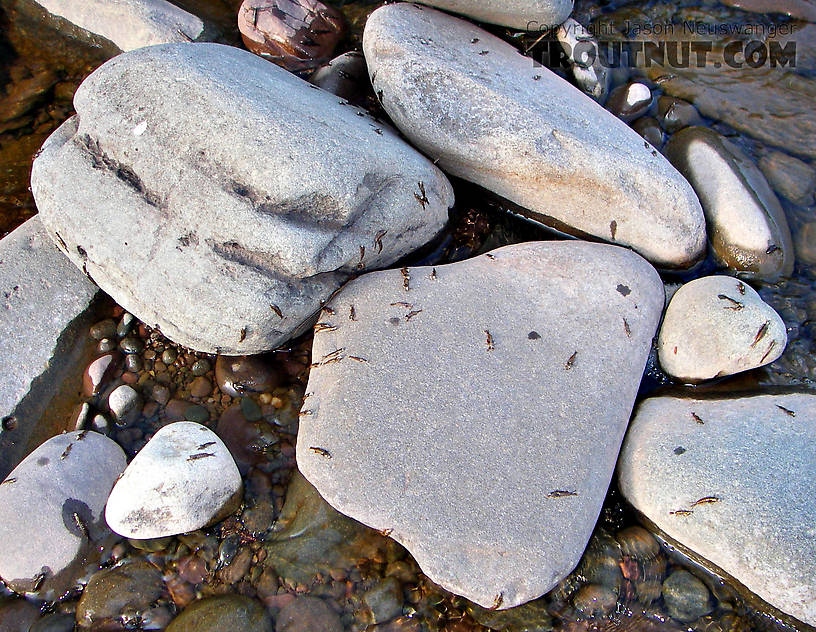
192	186
488	115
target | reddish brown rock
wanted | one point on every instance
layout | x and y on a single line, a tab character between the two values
295	34
241	375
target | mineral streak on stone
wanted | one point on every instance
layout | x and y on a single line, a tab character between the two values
295	34
44	305
481	110
755	456
486	452
205	207
531	15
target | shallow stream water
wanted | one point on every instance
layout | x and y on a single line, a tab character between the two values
285	540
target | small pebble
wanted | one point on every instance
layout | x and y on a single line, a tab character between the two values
197	413
103	329
123	329
201	387
106	345
125	404
201	367
97	373
134	362
686	597
169	356
131	345
675	114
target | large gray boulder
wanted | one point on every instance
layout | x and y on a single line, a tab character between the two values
485	113
530	15
474	411
45	303
221	198
732	480
51	510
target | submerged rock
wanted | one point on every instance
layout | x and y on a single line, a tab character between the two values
732	480
61	487
530	15
588	69
461	476
480	109
45	302
127	25
717	326
295	34
182	480
308	614
345	76
630	101
142	192
792	178
227	612
747	226
115	595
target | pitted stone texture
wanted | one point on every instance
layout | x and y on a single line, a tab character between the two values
183	479
743	468
530	15
51	509
474	411
44	305
222	215
717	326
486	114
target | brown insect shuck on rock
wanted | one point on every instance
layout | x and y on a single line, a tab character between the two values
295	34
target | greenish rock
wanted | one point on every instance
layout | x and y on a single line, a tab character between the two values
56	622
251	410
792	178
201	367
532	616
121	591
384	600
310	537
686	597
747	227
228	612
197	413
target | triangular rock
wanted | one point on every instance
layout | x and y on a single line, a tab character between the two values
474	411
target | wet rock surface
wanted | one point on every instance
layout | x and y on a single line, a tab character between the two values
182	480
44	303
588	69
790	177
62	486
730	480
295	34
275	246
747	226
228	612
127	25
533	15
472	103
475	517
717	326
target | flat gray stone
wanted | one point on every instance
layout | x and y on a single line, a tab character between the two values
717	326
183	479
747	226
486	114
222	215
44	305
128	24
530	15
474	411
50	505
733	480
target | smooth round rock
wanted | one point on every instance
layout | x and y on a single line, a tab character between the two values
384	600
227	612
345	76
792	178
98	372
483	113
717	326
686	597
129	588
240	375
587	68
182	480
630	101
746	224
295	34
731	479
61	487
488	509
675	114
650	130
125	405
530	15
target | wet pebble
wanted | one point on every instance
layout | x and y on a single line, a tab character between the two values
103	329
295	34
630	101
805	243
134	362
686	597
201	387
587	68
792	178
227	612
125	325
345	76
118	595
106	345
650	130
17	615
193	569
131	345
201	367
307	614
594	600
241	375
675	114
196	413
98	373
125	404
384	600
56	622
